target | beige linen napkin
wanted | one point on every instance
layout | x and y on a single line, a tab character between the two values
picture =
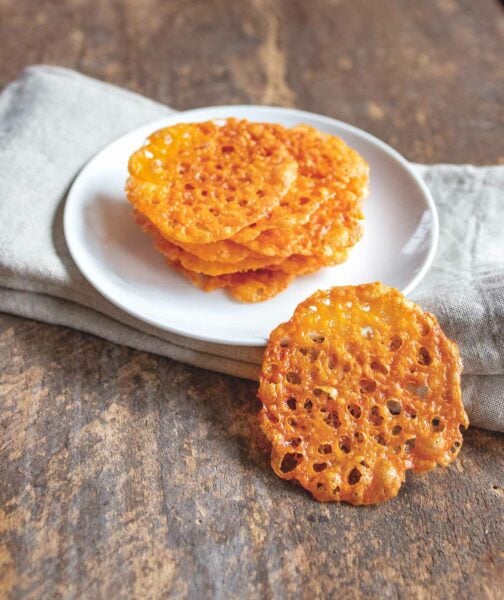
53	120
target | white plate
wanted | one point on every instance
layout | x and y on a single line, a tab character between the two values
401	232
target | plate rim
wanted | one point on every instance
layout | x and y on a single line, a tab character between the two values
72	243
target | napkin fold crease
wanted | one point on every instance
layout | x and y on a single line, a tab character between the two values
53	120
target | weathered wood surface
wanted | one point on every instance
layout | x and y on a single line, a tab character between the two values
128	475
425	76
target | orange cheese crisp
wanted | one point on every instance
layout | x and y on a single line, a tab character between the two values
250	286
207	267
357	387
328	231
203	182
220	251
329	173
245	205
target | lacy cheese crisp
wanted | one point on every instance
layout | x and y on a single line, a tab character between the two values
359	386
203	182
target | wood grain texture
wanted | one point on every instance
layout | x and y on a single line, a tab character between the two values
126	475
424	76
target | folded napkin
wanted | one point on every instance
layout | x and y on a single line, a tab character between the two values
53	120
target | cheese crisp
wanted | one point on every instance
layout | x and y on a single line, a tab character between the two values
359	386
202	182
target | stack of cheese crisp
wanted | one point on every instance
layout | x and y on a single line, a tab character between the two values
248	206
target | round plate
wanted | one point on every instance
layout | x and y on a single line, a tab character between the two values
119	260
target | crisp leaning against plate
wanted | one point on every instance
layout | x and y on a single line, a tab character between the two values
398	242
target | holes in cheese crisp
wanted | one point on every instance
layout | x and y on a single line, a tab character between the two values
315	337
227	149
310	353
394	407
318	467
294	442
293	377
347	367
332	361
303	200
395	343
284	342
377	366
332	419
375	416
367	331
380	439
204	193
273	418
290	461
455	447
437	424
260	193
330	391
354	476
366	307
396	430
188	187
325	449
308	405
345	444
409	444
354	410
424	357
410	412
243	203
367	385
359	437
291	403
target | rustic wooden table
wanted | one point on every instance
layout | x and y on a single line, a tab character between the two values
128	475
